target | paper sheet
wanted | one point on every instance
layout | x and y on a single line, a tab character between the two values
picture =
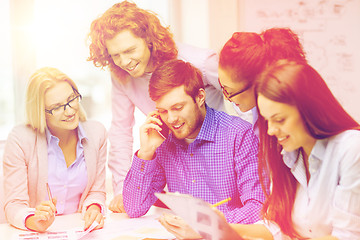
81	235
199	215
125	229
132	229
72	234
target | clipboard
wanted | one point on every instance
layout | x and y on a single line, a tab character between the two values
199	215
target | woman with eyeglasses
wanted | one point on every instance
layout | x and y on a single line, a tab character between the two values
55	163
245	56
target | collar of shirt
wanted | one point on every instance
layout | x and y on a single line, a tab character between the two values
207	131
254	115
81	133
318	151
66	183
290	158
294	160
51	138
317	155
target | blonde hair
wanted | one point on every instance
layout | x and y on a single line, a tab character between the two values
39	83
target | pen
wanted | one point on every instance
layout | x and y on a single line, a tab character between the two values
221	202
49	192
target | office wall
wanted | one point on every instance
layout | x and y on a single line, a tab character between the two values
205	23
330	34
189	21
328	29
2	197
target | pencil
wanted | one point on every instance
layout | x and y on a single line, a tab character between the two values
49	192
221	202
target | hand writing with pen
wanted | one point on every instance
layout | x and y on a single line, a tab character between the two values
43	216
45	212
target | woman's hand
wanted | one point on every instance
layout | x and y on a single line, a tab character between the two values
178	227
43	217
93	213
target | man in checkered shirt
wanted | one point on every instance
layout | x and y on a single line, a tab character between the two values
208	154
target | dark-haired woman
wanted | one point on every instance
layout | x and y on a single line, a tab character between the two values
310	148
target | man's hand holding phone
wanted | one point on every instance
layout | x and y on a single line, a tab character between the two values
150	136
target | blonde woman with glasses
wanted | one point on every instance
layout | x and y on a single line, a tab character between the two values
55	163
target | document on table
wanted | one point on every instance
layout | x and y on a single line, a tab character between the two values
199	215
125	229
132	229
72	234
82	234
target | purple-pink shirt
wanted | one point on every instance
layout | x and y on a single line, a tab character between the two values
66	183
220	163
135	93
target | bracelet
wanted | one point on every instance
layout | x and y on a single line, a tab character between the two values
25	222
94	204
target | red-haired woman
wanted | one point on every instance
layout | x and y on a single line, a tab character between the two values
131	42
245	56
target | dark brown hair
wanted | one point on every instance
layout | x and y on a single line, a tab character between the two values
298	84
172	74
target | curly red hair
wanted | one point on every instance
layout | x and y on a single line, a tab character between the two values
142	23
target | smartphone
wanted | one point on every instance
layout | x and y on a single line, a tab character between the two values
164	128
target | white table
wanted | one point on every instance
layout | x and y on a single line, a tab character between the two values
117	227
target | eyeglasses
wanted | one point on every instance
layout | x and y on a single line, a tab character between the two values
73	103
229	96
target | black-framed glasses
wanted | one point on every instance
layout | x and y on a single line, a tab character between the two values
229	96
73	103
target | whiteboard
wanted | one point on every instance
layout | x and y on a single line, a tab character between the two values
330	33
